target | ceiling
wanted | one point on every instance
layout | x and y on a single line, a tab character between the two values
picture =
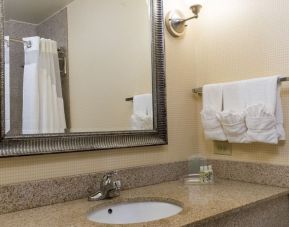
32	11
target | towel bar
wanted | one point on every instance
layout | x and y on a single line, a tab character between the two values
130	99
199	90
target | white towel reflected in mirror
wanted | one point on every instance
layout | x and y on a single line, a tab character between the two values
7	84
142	117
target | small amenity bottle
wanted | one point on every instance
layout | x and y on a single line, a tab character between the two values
202	174
211	174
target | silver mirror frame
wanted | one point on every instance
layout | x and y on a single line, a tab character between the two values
76	142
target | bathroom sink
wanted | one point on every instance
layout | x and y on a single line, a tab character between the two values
133	212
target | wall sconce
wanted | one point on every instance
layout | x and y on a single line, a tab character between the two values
176	20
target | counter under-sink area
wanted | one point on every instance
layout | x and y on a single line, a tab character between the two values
225	203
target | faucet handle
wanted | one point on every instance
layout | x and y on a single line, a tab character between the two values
117	184
108	176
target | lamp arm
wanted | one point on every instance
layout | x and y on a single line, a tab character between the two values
184	20
190	18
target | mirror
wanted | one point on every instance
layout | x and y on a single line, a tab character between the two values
81	75
75	66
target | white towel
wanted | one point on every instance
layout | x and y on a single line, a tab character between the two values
212	105
233	116
142	117
264	116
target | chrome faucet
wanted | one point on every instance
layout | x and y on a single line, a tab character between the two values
109	188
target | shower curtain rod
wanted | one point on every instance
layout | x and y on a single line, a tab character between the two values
27	43
199	90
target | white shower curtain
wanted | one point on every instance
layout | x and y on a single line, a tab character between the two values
7	84
43	108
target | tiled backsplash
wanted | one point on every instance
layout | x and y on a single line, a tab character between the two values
32	194
260	173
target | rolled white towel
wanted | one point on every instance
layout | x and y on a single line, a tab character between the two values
212	127
261	124
234	126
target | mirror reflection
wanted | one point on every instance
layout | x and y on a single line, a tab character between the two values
77	66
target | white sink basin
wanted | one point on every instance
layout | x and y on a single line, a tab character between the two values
133	212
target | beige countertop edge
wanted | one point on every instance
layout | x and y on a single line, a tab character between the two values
238	209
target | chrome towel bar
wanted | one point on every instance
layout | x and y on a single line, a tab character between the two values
199	90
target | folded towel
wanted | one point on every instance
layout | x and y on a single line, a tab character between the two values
212	105
233	116
261	124
264	116
141	122
142	117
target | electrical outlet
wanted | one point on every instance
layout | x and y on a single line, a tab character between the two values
222	148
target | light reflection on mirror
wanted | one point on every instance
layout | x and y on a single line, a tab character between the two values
77	66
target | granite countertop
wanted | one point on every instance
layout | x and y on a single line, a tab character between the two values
201	203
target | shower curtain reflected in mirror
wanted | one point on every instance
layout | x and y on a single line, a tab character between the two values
7	84
43	107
